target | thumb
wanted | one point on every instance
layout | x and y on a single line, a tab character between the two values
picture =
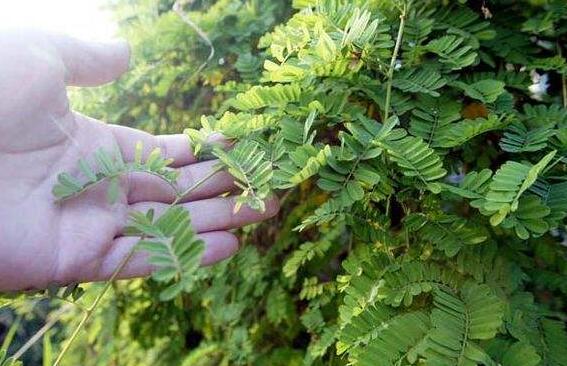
91	63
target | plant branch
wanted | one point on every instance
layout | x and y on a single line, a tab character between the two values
128	170
53	319
184	194
388	91
393	64
178	9
90	311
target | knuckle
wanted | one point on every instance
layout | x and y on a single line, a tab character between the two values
162	144
186	179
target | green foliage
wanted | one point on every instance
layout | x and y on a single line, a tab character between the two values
425	181
252	174
521	353
393	343
8	361
508	184
425	81
110	167
310	250
459	133
163	93
519	139
450	50
172	247
459	321
485	91
448	233
416	159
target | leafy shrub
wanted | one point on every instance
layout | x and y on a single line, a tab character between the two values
439	180
419	149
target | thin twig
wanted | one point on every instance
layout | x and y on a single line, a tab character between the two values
53	319
178	8
89	312
196	185
128	170
388	89
74	303
393	64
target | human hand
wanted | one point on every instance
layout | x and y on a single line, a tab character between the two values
43	242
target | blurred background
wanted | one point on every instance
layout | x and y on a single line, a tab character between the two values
87	19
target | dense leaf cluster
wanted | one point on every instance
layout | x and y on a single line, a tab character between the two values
438	173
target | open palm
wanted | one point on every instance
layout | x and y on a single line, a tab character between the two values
43	242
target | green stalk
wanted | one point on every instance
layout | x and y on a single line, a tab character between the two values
131	169
90	311
388	92
52	320
196	185
11	334
393	64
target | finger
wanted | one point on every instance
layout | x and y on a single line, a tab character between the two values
218	246
174	147
216	213
148	188
91	63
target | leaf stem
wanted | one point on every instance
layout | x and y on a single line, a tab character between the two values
191	189
178	9
128	170
388	87
393	64
90	311
53	319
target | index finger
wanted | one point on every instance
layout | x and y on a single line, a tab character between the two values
176	147
91	63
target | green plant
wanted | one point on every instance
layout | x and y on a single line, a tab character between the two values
7	361
434	173
423	187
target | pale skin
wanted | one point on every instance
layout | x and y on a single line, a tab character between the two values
43	242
